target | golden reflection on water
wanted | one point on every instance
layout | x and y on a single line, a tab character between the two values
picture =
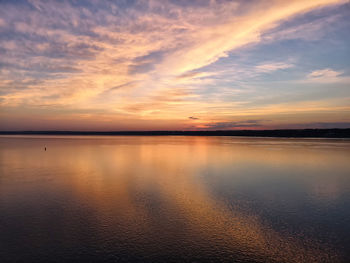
150	191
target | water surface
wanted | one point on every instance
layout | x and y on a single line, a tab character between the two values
174	199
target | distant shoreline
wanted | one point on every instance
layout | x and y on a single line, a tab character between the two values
286	133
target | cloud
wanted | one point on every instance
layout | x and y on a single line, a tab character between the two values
327	125
327	75
316	125
309	31
2	22
324	73
273	66
138	57
233	124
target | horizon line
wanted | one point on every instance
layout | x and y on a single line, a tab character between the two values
299	133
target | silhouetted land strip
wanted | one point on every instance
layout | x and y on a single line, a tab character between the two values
300	133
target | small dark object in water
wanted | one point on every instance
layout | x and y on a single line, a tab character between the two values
45	148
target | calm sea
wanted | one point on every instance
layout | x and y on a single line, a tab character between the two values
174	199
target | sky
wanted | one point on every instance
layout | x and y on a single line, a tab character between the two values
174	64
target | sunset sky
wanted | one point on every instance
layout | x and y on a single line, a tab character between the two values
174	65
